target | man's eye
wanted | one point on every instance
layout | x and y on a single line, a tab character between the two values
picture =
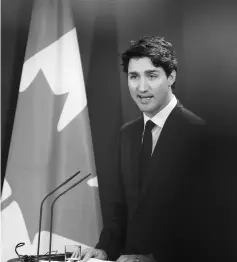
133	76
152	77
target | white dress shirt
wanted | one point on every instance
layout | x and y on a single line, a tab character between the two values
159	119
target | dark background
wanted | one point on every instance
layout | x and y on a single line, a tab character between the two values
204	36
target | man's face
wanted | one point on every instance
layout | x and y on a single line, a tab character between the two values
149	86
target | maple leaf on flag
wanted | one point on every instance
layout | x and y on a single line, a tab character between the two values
42	161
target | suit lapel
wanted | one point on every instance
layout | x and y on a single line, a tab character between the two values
166	135
136	138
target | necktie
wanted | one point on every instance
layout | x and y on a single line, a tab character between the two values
145	154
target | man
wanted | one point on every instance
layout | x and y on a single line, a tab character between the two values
156	196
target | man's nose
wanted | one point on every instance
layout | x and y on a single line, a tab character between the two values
143	85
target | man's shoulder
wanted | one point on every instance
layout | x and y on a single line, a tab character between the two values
188	116
133	124
191	125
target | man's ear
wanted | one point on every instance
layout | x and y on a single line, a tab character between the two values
172	77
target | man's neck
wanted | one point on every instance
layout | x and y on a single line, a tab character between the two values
167	101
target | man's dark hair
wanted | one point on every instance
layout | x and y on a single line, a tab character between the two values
156	48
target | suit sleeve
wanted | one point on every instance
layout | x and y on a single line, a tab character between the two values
112	237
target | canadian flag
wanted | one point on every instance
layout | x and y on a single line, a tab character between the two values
51	140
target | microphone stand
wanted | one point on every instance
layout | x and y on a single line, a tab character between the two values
41	208
52	206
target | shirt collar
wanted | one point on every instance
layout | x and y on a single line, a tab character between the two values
160	118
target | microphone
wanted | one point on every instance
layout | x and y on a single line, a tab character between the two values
41	208
52	206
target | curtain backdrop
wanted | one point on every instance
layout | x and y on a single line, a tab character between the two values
204	36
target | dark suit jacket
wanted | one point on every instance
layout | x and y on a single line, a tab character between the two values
163	217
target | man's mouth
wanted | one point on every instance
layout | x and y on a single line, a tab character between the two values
145	99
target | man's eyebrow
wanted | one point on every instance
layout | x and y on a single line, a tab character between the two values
152	71
132	72
146	71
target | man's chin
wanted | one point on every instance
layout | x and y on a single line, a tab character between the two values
148	111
